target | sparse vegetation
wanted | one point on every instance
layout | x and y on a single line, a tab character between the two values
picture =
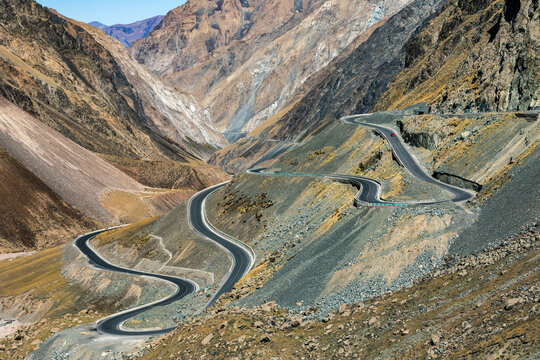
168	174
478	307
137	234
37	282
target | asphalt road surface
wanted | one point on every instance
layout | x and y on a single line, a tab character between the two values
407	160
242	256
112	324
369	189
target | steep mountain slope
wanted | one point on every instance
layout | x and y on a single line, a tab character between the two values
352	83
245	65
383	280
451	64
91	99
314	248
189	33
33	215
169	112
89	183
75	173
475	56
84	84
127	34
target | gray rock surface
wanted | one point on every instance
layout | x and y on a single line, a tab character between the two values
512	208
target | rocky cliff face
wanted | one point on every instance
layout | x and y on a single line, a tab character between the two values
167	111
474	56
245	65
127	34
84	84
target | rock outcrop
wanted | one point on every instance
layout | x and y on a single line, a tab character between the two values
474	56
426	139
244	64
457	181
127	34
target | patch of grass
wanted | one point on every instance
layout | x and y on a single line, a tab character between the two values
39	272
41	275
135	234
126	206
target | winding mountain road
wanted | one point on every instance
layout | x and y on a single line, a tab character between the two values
407	160
369	189
242	258
112	325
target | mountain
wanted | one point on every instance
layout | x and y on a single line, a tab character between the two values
127	34
244	65
484	55
98	25
34	216
335	280
396	67
73	172
93	126
335	273
352	83
85	85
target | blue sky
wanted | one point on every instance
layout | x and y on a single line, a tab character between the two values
110	12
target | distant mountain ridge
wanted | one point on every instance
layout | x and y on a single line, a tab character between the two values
127	34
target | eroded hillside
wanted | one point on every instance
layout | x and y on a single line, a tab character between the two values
452	64
348	274
417	275
338	253
79	176
479	307
245	65
351	83
33	216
